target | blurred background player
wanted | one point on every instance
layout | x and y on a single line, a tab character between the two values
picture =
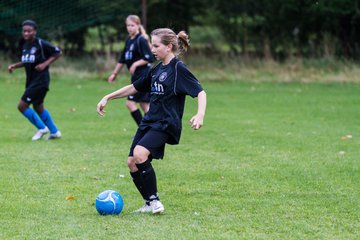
36	56
137	56
169	83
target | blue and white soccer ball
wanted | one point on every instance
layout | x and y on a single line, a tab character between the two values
109	202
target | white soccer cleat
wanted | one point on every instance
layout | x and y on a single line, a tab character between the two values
53	136
144	209
40	133
157	207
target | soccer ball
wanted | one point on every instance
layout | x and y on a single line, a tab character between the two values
109	202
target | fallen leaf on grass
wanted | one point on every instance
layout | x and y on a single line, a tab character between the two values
70	198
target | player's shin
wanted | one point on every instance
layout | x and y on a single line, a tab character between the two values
32	116
46	118
139	182
149	180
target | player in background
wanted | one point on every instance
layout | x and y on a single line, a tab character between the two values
168	82
137	56
37	54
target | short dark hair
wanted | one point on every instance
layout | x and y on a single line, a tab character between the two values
30	23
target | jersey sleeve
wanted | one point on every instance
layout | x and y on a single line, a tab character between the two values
49	49
185	82
122	56
145	51
143	84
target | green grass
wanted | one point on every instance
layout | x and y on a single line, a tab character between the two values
271	162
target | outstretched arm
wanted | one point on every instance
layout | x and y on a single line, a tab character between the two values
198	120
122	92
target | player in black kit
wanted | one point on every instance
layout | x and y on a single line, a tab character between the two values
168	83
37	55
137	57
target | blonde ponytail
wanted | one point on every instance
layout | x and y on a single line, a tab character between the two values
183	41
143	32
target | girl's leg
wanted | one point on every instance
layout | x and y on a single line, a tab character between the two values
147	145
46	118
134	111
139	183
31	115
142	162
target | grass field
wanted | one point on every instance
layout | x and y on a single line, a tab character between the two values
273	161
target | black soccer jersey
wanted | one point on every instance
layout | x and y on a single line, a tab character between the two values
168	86
34	53
134	50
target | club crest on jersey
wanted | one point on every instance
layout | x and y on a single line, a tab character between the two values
33	50
162	76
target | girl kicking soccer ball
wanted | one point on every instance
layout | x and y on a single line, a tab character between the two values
168	83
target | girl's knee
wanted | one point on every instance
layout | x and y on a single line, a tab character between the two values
39	108
131	164
22	106
141	154
131	105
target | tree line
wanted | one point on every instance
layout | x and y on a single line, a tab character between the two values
276	29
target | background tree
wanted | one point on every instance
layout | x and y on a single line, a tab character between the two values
175	14
276	29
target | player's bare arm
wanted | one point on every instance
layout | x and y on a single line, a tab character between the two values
14	66
136	64
197	121
116	71
50	60
122	92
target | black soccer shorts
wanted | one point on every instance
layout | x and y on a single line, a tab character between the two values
35	95
152	140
